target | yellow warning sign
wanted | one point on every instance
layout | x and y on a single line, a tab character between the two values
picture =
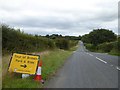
22	63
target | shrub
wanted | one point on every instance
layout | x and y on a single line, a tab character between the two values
105	47
91	47
62	43
16	41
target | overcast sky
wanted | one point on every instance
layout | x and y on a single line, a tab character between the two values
66	17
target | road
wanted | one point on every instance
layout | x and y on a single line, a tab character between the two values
85	69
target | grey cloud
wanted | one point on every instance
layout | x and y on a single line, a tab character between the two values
46	22
60	23
107	16
66	21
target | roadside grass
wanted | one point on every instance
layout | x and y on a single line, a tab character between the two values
51	63
5	63
114	52
111	51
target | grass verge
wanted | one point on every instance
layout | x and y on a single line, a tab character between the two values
106	49
51	63
114	52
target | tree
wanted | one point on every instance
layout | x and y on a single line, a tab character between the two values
47	36
99	36
85	38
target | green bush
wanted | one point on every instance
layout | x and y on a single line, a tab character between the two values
116	48
73	42
91	47
62	43
17	41
105	47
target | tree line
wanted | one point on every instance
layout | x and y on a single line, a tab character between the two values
14	40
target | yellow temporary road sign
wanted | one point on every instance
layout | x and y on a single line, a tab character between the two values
22	63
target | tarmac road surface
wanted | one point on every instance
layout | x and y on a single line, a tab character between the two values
84	69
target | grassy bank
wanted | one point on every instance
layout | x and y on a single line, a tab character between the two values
52	61
112	48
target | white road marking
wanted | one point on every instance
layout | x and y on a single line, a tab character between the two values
90	54
74	51
117	68
111	65
87	53
101	60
